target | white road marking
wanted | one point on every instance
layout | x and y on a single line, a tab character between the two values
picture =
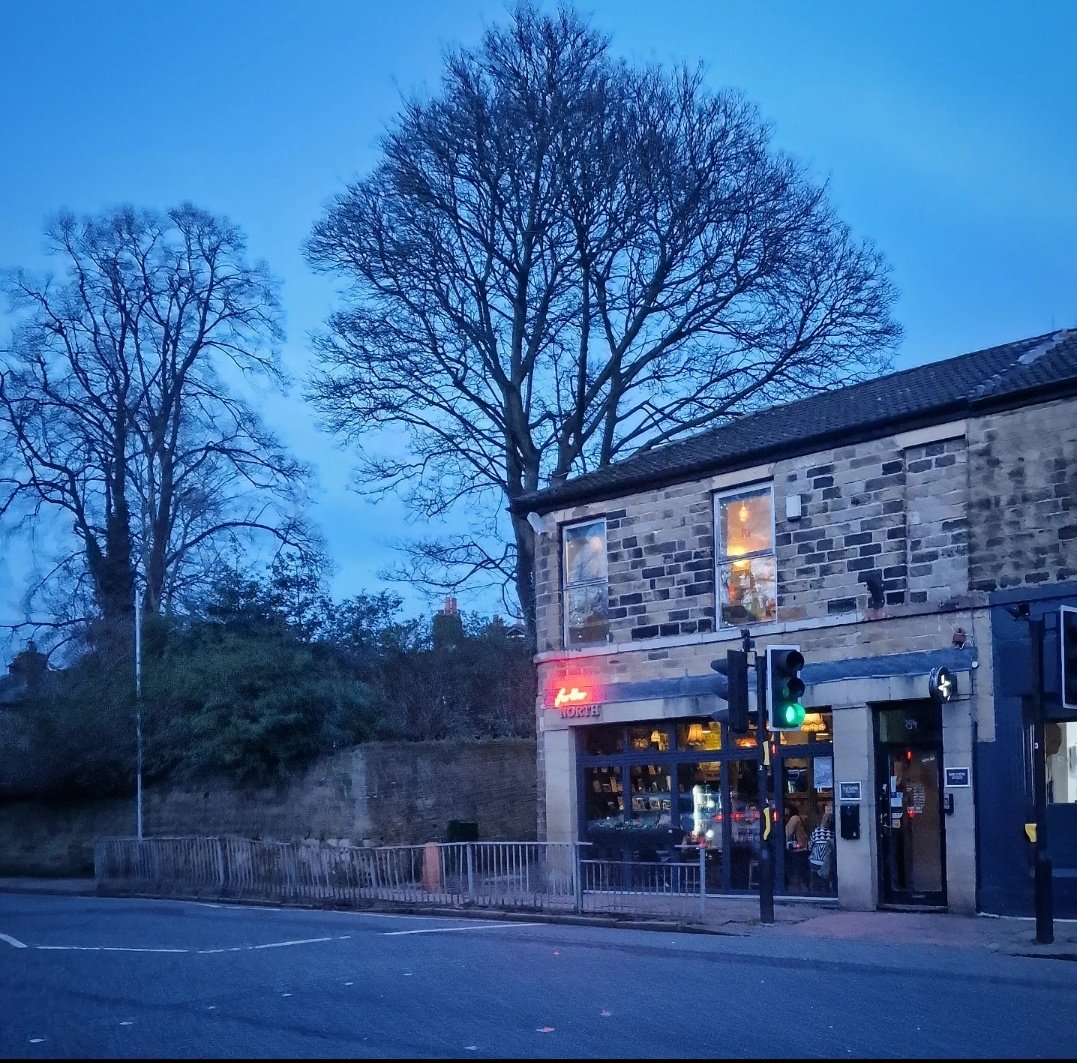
15	943
101	948
283	944
453	929
200	952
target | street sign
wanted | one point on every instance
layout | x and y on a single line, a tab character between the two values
942	685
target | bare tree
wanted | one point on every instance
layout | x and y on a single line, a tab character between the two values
117	411
560	260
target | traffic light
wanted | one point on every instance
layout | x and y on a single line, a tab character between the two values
785	687
735	670
1067	626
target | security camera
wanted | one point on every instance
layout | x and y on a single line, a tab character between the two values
538	524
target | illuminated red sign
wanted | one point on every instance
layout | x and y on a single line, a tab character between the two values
575	699
571	696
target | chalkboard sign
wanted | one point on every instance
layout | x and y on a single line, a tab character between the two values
849	791
957	777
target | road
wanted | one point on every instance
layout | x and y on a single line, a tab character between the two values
87	977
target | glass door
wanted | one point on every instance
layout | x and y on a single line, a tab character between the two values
911	837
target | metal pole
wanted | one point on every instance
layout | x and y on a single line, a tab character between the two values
762	738
702	881
138	714
1044	897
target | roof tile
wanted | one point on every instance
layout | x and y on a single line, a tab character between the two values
932	391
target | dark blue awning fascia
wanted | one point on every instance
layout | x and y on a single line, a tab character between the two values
882	667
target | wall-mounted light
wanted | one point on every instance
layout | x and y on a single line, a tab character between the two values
539	525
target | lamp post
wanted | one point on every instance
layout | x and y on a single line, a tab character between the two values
138	713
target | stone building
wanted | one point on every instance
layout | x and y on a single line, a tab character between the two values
886	529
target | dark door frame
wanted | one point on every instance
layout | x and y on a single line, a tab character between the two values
889	897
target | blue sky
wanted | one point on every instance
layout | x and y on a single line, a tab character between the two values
948	133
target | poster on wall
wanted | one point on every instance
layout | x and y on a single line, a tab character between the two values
824	773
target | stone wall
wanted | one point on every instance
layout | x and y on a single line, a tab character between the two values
853	523
894	507
1023	471
380	794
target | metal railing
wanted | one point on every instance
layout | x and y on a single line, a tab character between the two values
551	876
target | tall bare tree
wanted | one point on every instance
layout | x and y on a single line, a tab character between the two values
116	410
560	260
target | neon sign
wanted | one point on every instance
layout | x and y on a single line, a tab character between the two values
575	702
571	697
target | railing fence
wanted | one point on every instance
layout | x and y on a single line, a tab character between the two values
551	876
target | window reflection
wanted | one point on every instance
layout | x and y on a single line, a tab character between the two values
601	741
746	568
586	591
699	803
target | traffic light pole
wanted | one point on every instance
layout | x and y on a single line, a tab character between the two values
762	739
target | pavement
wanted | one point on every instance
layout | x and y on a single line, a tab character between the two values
740	916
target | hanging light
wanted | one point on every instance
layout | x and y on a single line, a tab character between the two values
743	513
695	734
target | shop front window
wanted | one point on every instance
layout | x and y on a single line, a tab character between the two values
744	815
746	569
699	803
603	741
806	774
586	591
654	790
651	794
648	737
604	798
699	734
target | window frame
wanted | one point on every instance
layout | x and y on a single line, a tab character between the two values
566	586
757	487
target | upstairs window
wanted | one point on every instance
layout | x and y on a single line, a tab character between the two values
586	588
744	548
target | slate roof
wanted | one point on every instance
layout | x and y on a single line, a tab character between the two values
1039	367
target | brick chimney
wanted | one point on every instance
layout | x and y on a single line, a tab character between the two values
30	666
448	627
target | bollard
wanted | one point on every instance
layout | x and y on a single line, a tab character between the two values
431	867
